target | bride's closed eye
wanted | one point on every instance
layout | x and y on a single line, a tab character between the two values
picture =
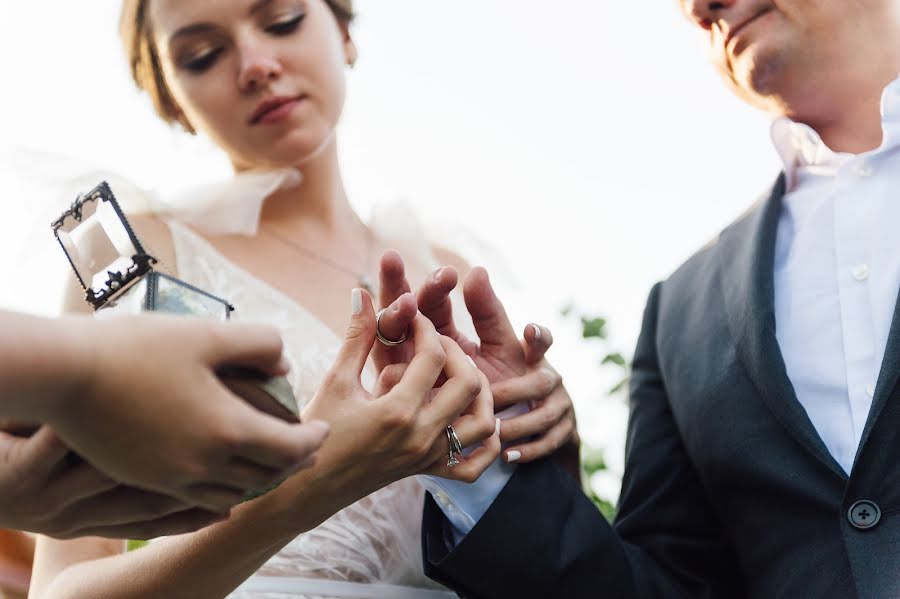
201	61
286	25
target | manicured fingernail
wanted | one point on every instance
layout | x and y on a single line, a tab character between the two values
497	427
537	332
513	456
437	274
356	301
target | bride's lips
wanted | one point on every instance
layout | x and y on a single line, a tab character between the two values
731	36
274	109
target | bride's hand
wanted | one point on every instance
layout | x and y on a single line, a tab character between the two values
376	440
516	369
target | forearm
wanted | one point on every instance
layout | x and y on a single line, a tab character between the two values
41	360
208	563
569	551
211	562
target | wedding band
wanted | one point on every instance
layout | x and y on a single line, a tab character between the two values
455	446
382	338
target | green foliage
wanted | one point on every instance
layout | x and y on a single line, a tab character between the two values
592	462
594	331
593	328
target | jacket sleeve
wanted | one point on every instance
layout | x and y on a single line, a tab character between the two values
543	538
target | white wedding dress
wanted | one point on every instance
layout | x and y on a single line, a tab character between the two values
371	549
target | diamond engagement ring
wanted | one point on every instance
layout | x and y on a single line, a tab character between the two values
455	446
382	338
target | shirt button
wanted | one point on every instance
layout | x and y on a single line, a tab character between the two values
870	390
864	515
443	499
861	272
864	170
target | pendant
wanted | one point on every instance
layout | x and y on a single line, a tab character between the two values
452	461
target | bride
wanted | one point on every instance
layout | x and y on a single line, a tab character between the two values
264	80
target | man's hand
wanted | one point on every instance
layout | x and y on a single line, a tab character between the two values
147	409
517	371
48	490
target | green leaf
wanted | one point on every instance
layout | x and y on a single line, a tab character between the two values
593	328
619	387
614	358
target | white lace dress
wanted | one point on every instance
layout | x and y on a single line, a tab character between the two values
372	548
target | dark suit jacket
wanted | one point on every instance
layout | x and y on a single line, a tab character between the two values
728	489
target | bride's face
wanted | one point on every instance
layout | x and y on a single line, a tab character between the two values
264	79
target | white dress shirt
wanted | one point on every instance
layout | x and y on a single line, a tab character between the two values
837	275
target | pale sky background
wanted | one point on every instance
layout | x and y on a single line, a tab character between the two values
589	141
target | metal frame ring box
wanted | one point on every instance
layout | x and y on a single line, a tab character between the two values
118	277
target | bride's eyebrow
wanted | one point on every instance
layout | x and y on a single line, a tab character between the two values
191	30
258	6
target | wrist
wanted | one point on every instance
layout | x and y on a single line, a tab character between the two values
313	495
43	369
71	348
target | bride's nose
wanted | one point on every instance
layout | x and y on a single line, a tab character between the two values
257	68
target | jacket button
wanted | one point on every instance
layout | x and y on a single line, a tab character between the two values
864	514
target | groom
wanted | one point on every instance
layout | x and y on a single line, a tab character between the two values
763	454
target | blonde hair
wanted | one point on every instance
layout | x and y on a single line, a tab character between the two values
143	58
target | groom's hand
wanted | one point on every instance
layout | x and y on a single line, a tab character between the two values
516	369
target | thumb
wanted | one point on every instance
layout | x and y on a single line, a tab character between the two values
360	336
44	451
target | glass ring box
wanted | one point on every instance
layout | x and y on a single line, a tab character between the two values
118	277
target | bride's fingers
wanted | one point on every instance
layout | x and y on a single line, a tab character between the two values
546	445
477	426
537	340
388	379
397	317
466	390
424	368
358	340
471	466
545	415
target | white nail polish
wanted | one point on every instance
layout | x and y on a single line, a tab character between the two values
537	332
356	301
513	456
497	427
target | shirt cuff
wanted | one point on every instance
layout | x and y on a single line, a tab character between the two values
464	504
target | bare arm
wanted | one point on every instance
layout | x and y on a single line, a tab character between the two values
374	441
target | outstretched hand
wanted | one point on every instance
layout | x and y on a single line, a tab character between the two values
541	420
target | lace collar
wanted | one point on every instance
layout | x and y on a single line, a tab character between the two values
231	207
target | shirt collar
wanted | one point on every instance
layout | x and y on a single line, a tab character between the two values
800	146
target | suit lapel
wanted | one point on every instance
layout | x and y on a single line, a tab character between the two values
887	378
746	252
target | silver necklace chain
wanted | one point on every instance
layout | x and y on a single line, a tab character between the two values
362	277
